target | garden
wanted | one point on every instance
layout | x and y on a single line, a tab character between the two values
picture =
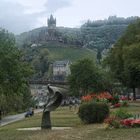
110	128
100	108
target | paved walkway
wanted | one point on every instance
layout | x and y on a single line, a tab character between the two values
14	118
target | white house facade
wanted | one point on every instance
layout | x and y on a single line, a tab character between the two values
61	70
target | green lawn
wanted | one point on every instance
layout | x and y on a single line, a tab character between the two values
79	131
70	53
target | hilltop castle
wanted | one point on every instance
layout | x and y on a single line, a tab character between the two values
51	22
51	29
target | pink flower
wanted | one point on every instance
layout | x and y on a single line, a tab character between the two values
127	122
136	121
117	105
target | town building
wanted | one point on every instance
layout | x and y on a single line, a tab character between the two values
61	70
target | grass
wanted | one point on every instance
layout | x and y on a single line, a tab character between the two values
79	131
70	53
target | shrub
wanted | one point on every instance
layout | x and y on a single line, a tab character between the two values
112	122
122	114
115	100
93	112
124	103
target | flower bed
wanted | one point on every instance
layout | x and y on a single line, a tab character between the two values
116	105
100	96
121	118
130	122
114	101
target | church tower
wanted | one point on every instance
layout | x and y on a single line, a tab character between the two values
51	22
51	28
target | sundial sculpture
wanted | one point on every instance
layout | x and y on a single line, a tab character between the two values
54	99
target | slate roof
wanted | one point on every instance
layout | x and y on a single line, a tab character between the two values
60	63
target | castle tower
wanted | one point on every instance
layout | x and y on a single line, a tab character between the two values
51	22
51	28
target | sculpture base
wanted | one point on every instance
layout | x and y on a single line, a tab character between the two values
39	128
46	121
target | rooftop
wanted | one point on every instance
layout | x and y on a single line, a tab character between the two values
60	63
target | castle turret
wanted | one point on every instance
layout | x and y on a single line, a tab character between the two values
51	29
51	22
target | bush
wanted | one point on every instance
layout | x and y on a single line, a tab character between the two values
124	103
112	122
122	114
115	100
93	112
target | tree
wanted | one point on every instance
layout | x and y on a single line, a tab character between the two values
86	77
132	66
99	56
13	74
43	58
124	58
41	62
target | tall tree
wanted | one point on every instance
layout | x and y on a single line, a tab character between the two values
86	77
131	58
41	63
124	58
13	73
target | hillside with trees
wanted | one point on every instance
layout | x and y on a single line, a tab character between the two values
123	59
42	57
100	34
91	40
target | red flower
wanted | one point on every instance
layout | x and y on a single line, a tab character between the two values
136	121
126	122
117	105
103	95
130	122
87	98
123	98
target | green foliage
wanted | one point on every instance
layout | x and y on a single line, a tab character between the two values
70	42
112	122
124	103
42	57
38	57
116	116
124	58
69	53
87	77
40	62
112	20
84	75
131	56
100	34
115	100
122	114
13	74
116	123
93	112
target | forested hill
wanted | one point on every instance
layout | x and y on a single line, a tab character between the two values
102	34
69	43
98	34
112	20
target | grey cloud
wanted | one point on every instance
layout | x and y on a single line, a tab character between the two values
13	18
53	5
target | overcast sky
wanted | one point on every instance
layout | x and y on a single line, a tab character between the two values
22	15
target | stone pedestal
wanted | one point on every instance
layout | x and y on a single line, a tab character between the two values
138	91
46	121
